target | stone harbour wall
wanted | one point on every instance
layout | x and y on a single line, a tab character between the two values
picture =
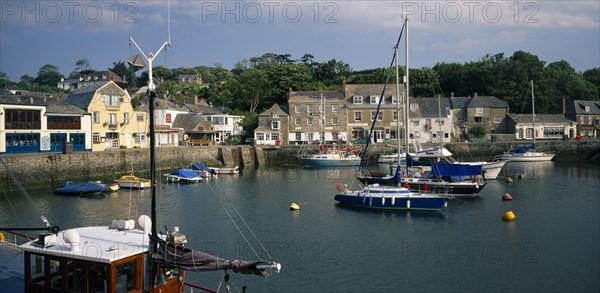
82	166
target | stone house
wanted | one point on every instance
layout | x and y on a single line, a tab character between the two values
187	80
197	130
587	116
317	116
363	100
115	123
273	126
488	111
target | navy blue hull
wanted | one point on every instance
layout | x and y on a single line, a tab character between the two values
399	203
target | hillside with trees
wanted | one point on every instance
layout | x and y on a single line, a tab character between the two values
256	83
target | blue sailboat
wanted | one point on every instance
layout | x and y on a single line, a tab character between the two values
377	196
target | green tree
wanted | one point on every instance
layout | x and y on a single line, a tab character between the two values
478	130
253	86
424	82
48	75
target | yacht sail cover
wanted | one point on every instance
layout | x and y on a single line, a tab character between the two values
172	256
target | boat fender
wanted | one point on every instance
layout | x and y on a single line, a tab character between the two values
406	185
1	236
338	186
370	201
393	200
408	203
425	186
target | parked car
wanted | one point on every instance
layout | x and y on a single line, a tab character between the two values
249	140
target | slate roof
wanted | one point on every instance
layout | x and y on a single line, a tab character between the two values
190	122
82	97
202	107
430	108
477	101
315	96
61	107
366	90
540	119
27	100
277	109
577	107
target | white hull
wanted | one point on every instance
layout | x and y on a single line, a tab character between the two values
530	157
388	158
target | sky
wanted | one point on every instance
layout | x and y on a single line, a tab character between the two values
359	33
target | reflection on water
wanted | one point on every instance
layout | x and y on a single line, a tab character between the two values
347	249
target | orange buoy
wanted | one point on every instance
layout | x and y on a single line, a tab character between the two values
507	196
509	179
338	186
509	216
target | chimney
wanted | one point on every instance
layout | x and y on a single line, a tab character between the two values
475	95
564	105
452	94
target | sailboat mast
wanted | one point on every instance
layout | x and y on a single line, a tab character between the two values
533	111
397	105
406	92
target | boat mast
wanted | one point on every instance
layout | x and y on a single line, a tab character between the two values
151	96
533	111
397	105
406	92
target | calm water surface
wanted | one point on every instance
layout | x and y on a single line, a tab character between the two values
552	246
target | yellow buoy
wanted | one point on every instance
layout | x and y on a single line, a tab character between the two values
509	216
1	236
294	207
508	179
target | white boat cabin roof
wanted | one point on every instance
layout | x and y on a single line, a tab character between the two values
103	244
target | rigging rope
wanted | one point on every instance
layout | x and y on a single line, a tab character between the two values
243	221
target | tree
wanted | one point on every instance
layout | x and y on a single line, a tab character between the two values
48	75
120	69
26	79
253	87
3	75
593	76
82	64
478	130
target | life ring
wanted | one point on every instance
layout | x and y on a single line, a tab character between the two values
338	186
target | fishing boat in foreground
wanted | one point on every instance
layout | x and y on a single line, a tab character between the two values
85	188
183	176
133	182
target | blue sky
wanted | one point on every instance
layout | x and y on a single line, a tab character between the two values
360	33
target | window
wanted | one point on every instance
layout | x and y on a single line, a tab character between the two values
379	116
126	276
375	100
479	110
529	133
275	115
139	117
394	99
111	100
36	268
334	108
357	100
260	136
587	108
296	121
275	125
395	116
478	119
297	109
298	136
275	136
334	121
75	276
96	137
96	117
64	122
497	119
309	121
309	109
414	107
22	119
126	117
112	119
139	138
357	116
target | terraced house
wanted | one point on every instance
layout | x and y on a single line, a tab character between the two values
317	116
115	124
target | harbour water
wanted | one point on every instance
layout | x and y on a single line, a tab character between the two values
552	246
